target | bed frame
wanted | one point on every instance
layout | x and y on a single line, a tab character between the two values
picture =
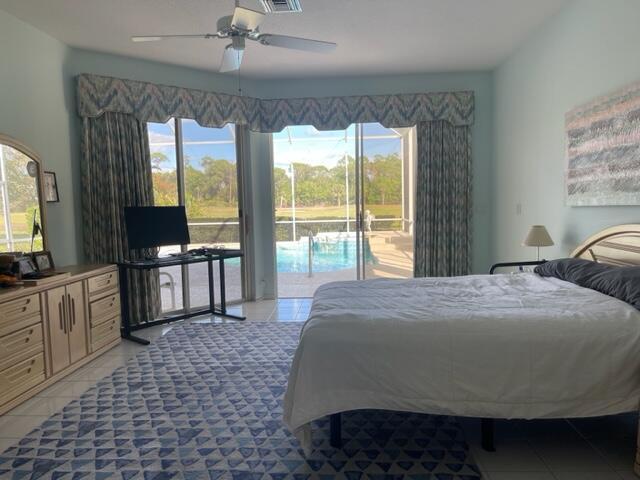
619	245
616	246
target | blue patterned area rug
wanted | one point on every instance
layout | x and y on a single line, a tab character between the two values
204	402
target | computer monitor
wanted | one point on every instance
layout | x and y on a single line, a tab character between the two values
149	227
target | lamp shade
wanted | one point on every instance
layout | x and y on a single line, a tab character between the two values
538	237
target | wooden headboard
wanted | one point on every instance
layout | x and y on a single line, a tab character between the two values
616	246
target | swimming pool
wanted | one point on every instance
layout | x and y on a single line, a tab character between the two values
329	255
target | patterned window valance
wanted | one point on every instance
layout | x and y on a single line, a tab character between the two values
158	103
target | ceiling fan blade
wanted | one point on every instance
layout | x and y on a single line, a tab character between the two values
296	43
157	38
246	19
231	59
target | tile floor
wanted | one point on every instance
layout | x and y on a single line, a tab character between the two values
586	449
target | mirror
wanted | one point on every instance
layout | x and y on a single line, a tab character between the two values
21	199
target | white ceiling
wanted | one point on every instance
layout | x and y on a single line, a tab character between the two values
373	36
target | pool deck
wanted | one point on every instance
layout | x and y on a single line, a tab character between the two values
392	249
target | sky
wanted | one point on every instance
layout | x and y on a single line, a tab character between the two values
302	144
313	147
198	142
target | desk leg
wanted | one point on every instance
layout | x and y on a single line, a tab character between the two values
223	295
223	287
212	298
125	330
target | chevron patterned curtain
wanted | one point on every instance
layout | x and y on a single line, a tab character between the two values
157	103
116	172
443	200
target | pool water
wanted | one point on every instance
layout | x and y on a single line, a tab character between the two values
328	255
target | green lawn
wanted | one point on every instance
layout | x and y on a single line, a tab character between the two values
306	213
22	229
333	212
19	224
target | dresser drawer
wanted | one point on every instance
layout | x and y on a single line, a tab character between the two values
101	283
104	309
21	377
9	327
17	309
105	333
20	345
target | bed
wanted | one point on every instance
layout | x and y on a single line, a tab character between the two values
486	346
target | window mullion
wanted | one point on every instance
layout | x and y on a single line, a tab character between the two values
186	300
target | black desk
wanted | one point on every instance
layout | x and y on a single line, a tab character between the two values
186	259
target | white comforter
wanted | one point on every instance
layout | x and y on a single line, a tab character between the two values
500	346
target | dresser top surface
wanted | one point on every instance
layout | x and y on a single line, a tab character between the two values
77	272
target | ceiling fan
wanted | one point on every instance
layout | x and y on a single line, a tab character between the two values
241	26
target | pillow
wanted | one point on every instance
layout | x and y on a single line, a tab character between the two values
574	270
622	283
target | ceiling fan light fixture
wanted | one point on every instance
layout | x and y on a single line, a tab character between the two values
231	58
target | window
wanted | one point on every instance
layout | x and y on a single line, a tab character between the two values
201	175
19	201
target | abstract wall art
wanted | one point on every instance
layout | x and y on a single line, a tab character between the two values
603	150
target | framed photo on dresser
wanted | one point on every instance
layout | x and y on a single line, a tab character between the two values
43	261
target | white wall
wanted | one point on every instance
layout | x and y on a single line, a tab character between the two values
33	110
589	49
259	179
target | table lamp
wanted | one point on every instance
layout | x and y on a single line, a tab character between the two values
538	237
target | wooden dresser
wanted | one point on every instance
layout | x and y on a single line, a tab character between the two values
48	331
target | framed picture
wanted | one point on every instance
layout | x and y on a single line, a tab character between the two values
25	266
43	261
50	187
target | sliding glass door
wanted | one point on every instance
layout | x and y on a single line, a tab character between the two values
315	211
386	199
343	205
197	167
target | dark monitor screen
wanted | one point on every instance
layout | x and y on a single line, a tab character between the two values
149	227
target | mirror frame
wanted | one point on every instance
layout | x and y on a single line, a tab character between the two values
21	147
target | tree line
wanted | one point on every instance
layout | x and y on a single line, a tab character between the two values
321	186
215	183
